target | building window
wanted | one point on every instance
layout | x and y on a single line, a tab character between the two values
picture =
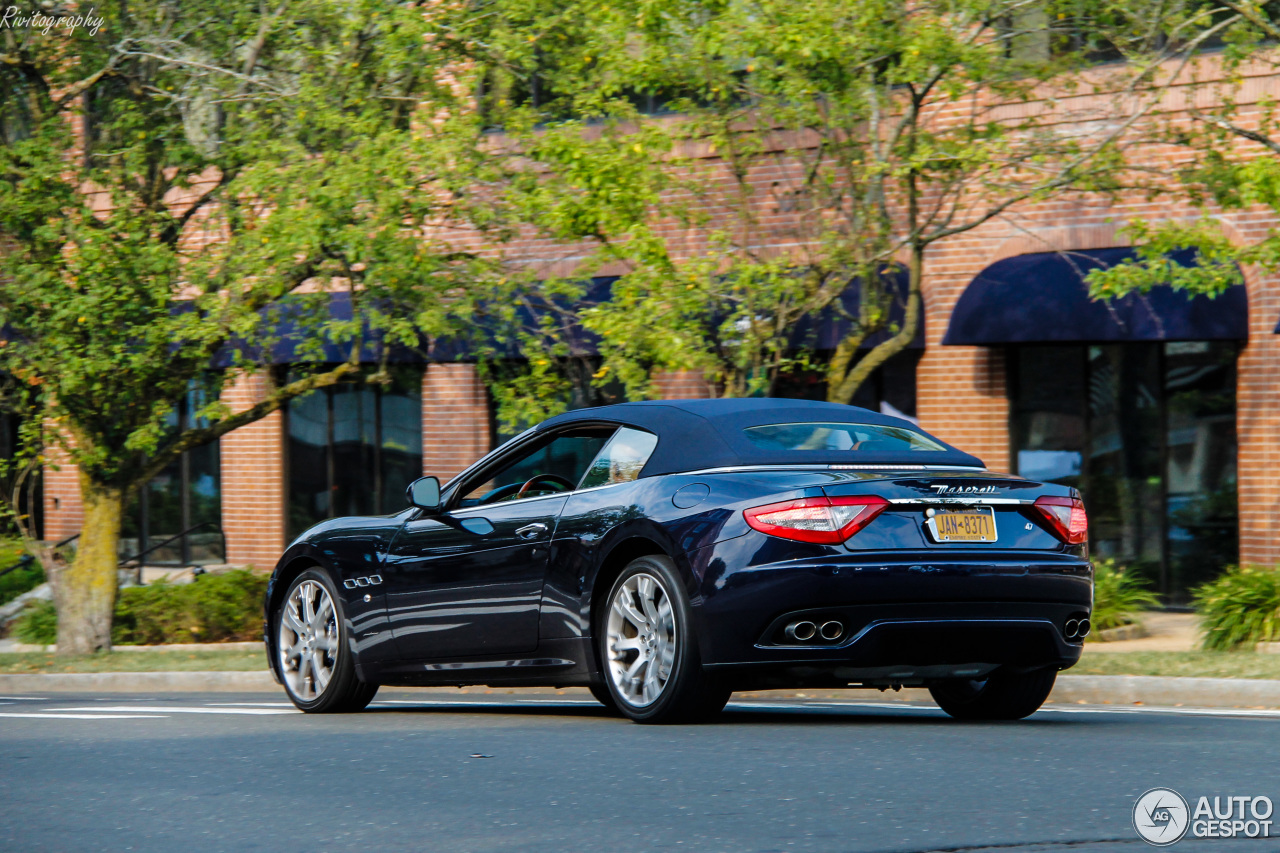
354	448
183	501
1147	432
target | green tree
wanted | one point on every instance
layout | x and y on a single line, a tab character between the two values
885	127
182	184
1233	163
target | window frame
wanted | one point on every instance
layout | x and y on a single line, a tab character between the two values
457	488
377	449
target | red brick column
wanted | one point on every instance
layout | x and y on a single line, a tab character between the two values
455	419
961	398
63	511
253	481
1258	426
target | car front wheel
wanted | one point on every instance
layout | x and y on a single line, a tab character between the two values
1000	696
648	650
312	649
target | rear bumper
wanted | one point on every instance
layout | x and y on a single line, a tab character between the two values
904	614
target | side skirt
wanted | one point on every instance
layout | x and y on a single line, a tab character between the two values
566	662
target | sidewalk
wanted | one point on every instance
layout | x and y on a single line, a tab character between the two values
1166	632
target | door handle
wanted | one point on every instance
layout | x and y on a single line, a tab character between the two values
532	531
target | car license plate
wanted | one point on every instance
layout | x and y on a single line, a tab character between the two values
968	525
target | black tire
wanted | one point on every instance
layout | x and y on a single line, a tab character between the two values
605	698
999	697
344	692
688	694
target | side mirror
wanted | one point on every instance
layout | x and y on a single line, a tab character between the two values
424	493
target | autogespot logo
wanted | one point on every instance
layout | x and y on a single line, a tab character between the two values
1161	817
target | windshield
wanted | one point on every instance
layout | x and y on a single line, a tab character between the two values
823	436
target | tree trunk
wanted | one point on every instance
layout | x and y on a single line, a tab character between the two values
844	375
85	592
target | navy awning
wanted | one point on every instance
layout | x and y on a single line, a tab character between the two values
1043	298
293	341
496	336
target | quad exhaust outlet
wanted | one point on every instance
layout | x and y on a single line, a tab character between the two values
1076	629
803	631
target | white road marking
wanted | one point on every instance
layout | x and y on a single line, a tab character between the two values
248	704
26	698
1047	709
53	716
765	705
514	700
1160	709
146	709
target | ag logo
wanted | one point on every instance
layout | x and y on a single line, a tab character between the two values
1161	816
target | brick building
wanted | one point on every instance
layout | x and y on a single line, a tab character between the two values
1165	412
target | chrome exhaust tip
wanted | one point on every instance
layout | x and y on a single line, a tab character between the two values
1083	629
1071	629
801	631
831	630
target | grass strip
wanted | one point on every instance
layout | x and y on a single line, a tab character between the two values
202	661
1179	664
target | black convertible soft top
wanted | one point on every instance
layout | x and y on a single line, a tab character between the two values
696	434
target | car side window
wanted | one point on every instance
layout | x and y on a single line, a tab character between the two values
621	460
550	466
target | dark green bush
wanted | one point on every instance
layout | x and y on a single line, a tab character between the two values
38	623
225	607
1118	595
20	580
1239	608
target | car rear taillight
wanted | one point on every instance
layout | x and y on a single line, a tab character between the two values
823	521
1066	518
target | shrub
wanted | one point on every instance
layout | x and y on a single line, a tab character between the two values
22	579
225	607
1241	607
210	609
38	623
1118	594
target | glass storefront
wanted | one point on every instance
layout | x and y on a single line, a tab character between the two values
1146	431
187	494
354	448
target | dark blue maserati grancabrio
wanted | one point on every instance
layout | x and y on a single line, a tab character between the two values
667	553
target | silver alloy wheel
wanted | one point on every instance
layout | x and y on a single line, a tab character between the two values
308	640
641	637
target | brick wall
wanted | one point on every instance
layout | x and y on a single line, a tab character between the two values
253	482
455	419
681	385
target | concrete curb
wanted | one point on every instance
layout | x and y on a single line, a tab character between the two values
1070	690
1155	690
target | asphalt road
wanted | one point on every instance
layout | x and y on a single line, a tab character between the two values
433	772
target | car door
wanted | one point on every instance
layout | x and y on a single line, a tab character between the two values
469	580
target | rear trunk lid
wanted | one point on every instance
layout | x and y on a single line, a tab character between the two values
953	512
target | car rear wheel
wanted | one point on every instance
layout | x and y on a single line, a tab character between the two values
312	648
648	650
1000	696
